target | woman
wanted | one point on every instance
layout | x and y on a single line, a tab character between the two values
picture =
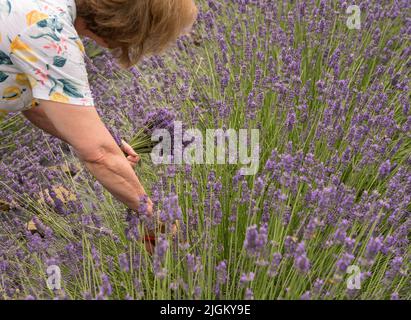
43	74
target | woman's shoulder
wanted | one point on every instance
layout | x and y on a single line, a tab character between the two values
16	16
65	9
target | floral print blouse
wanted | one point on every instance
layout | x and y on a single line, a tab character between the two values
41	55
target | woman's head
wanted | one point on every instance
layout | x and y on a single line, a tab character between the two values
137	28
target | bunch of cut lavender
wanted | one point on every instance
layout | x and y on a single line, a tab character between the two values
159	119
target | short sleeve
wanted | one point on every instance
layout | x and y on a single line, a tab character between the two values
50	53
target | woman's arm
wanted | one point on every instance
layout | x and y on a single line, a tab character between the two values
38	117
83	129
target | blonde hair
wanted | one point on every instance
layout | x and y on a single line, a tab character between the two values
137	28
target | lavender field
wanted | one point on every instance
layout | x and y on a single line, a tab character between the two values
332	195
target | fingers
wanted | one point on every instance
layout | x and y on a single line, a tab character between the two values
150	244
128	149
149	247
132	156
149	207
133	160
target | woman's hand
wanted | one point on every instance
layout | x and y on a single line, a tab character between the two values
131	155
151	235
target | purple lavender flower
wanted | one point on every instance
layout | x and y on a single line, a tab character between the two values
256	240
290	245
306	296
318	286
249	294
124	263
171	209
373	247
275	264
105	288
395	268
301	261
385	169
343	263
247	278
221	270
193	263
159	256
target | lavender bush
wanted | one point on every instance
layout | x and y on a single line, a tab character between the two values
333	189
